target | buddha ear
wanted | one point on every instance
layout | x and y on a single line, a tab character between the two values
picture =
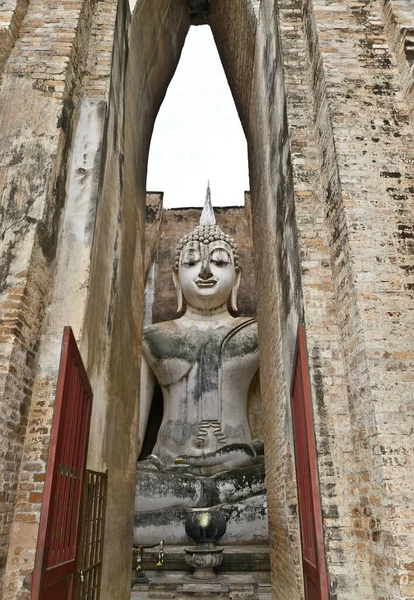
178	291
235	290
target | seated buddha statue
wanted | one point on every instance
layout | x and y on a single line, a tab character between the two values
204	362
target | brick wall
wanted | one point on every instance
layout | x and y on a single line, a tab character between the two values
398	19
22	314
331	415
12	14
52	48
100	54
361	117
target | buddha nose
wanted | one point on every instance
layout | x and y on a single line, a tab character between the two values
205	271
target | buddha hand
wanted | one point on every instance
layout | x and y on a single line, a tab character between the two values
228	457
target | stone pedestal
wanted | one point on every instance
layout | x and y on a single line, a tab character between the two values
248	558
183	587
203	561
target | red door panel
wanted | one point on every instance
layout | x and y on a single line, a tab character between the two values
314	571
62	590
58	535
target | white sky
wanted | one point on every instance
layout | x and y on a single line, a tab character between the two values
197	134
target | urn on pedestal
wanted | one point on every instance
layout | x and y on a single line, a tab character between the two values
205	527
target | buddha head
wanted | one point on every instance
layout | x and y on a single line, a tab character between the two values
206	271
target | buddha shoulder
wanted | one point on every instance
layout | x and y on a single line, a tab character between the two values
242	339
163	341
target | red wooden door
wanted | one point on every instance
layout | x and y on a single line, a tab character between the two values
55	568
313	557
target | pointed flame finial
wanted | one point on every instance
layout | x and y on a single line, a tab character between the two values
207	216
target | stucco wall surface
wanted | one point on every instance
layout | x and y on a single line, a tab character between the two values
278	279
113	327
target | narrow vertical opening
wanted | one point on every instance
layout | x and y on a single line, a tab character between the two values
198	134
198	137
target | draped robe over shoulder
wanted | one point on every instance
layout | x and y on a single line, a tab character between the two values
205	377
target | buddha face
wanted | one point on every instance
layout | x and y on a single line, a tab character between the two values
206	274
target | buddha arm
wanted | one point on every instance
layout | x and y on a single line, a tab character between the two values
145	400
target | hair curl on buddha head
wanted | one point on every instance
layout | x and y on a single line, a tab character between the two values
206	233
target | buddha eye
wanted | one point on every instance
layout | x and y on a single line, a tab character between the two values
220	257
190	259
219	262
